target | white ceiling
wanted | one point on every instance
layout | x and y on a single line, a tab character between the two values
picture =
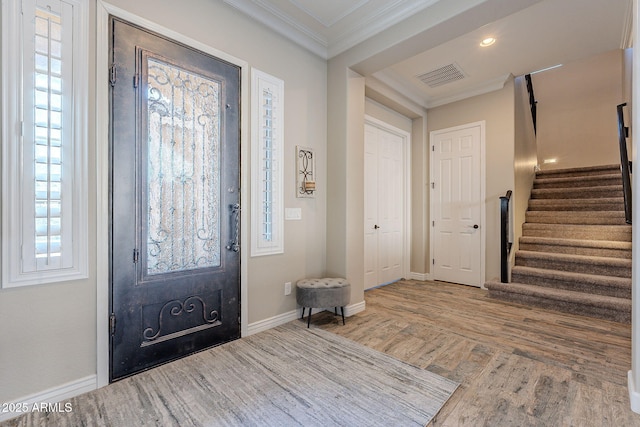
545	34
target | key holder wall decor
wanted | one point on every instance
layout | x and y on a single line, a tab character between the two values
306	178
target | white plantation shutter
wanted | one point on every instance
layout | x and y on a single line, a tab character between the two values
267	142
44	151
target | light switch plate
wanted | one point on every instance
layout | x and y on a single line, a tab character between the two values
293	213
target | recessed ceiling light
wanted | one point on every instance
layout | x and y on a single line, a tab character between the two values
487	42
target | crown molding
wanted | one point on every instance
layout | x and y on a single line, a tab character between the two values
397	84
318	43
480	89
283	25
392	14
389	79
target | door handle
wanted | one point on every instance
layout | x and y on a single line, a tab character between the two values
375	227
234	243
475	226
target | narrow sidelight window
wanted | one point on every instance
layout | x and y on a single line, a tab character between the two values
44	141
267	159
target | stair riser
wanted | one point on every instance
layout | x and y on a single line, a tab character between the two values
617	315
576	194
553	183
614	233
575	267
599	289
573	250
574	218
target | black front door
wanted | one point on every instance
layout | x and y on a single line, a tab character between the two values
174	194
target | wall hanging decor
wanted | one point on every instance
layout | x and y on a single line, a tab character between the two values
306	176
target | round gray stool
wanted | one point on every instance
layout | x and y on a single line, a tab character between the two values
323	293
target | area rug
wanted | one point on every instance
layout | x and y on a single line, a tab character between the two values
286	376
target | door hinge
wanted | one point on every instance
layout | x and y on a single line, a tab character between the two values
433	185
136	256
433	148
112	75
433	261
433	223
135	80
112	323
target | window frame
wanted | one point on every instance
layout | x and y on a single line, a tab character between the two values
260	83
20	268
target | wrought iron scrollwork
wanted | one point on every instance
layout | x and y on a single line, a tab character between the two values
177	308
183	169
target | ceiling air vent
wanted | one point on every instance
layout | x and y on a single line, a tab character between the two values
441	76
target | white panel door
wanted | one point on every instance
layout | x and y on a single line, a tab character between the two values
370	207
384	206
457	205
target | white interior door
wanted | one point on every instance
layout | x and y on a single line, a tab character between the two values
384	196
457	204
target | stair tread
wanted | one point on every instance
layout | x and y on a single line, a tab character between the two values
561	294
583	243
598	201
544	180
599	189
614	281
586	169
577	226
611	213
599	260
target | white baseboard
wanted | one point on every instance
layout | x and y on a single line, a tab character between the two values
281	319
419	276
52	396
352	309
272	322
634	395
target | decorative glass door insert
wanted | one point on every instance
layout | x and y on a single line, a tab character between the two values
183	169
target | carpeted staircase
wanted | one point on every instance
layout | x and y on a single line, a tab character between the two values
575	249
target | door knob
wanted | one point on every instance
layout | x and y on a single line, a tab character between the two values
375	227
476	226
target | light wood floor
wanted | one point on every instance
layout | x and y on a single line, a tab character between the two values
517	366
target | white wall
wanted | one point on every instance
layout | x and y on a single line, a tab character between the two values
48	332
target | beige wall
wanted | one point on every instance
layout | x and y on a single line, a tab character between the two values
48	332
577	108
497	110
387	115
